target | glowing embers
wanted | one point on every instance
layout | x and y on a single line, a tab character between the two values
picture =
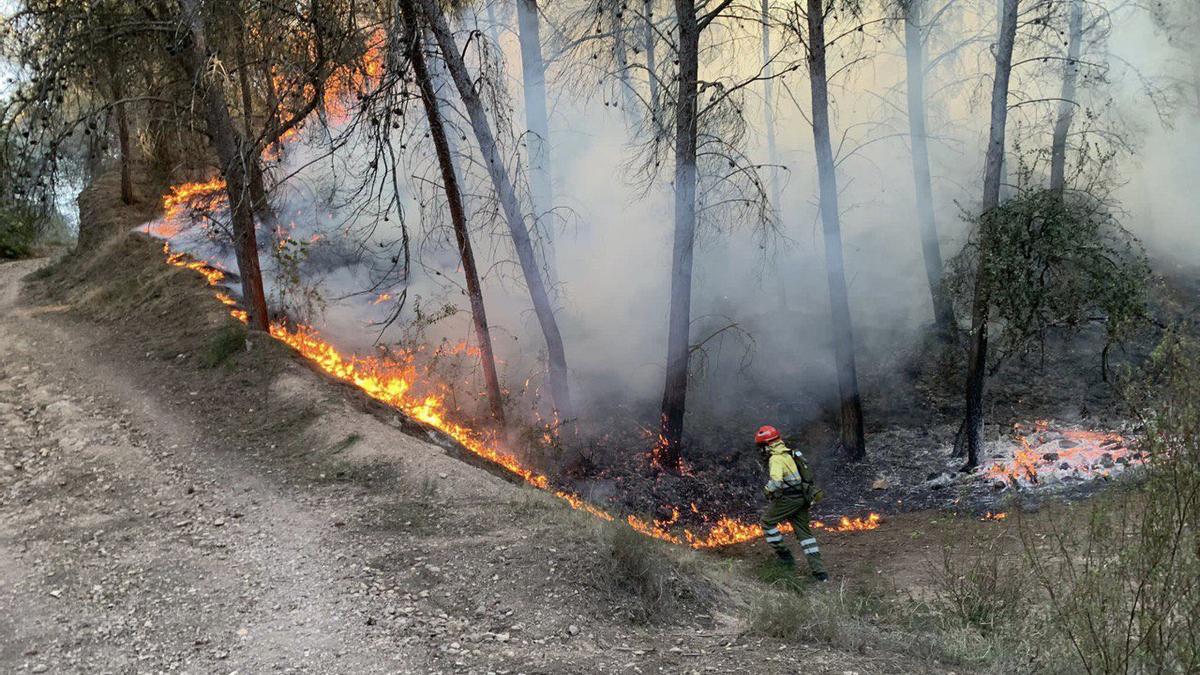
1045	455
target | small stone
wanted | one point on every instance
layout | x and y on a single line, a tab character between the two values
39	668
502	637
573	629
1065	466
1050	457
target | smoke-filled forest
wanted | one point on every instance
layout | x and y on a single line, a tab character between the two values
454	275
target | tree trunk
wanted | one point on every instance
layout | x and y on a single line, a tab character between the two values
122	119
458	216
493	26
234	156
851	427
509	203
1066	107
258	190
773	164
650	39
971	433
537	137
616	14
679	321
914	50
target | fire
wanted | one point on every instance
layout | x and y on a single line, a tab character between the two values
1045	454
186	196
845	524
391	381
995	516
395	380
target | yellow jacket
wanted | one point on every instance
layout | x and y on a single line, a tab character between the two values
786	473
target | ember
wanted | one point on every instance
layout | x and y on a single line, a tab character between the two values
1046	455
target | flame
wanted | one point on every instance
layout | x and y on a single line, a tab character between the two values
394	379
995	516
391	380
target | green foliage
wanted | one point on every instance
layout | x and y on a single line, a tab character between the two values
19	229
1124	589
228	341
1052	260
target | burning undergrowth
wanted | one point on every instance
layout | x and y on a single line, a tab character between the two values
400	380
713	502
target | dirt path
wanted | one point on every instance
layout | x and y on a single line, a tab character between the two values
146	525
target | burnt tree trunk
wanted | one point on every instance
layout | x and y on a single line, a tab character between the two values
1066	106
235	157
674	403
458	216
851	424
509	203
914	50
537	137
971	433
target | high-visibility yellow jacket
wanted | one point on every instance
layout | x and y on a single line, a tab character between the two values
788	473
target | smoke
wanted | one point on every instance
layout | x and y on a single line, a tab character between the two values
760	303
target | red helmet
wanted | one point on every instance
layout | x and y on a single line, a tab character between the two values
766	434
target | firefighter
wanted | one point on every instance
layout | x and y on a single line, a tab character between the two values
791	493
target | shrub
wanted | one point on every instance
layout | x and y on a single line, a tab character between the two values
1124	590
18	232
1054	261
982	589
635	567
229	340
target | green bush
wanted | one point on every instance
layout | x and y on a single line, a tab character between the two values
1053	260
18	232
228	341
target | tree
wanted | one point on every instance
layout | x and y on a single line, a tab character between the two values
1066	103
413	48
537	137
970	435
914	52
506	192
811	33
235	156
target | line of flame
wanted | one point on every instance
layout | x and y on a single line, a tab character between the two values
389	382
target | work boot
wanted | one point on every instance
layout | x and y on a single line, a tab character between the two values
786	558
821	577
